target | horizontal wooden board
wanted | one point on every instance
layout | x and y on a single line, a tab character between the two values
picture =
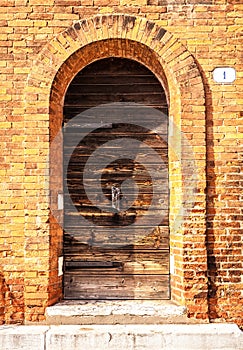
118	262
145	243
91	128
109	219
108	78
143	188
141	204
119	118
142	87
123	214
88	99
116	287
81	111
110	126
114	66
109	147
111	213
90	144
106	155
158	186
97	170
107	175
77	240
140	232
136	208
159	192
86	142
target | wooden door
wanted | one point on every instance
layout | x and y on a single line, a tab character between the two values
134	265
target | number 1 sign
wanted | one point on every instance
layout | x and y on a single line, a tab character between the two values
224	75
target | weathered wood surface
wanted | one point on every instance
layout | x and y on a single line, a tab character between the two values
113	80
88	98
110	129
106	219
76	234
115	263
143	85
83	205
79	239
133	286
111	254
82	111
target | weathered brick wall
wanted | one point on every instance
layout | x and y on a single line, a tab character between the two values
2	300
211	30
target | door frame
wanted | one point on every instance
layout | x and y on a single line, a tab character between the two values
121	74
145	41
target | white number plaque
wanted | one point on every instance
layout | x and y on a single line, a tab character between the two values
224	75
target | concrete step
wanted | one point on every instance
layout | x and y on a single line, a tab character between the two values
116	312
122	337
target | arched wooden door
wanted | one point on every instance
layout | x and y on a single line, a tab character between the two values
134	264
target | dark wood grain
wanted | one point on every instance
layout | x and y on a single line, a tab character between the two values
126	262
78	240
111	254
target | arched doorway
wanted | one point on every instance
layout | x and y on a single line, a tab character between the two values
116	187
146	42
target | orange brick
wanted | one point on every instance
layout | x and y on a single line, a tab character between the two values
37	64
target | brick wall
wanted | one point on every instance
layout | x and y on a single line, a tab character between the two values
201	35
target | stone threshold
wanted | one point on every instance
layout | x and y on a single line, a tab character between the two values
116	312
121	337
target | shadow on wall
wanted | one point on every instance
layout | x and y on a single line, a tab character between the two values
2	298
210	207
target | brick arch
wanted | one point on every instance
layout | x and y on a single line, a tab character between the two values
142	40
